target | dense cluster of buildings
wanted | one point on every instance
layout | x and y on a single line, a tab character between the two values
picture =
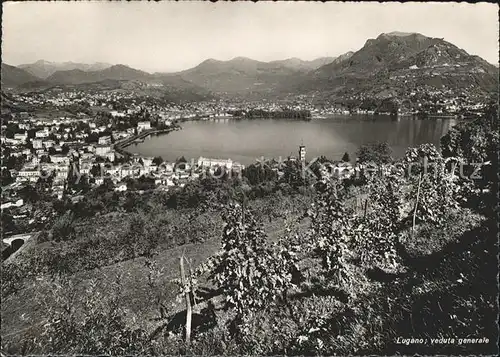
86	140
55	147
56	154
412	100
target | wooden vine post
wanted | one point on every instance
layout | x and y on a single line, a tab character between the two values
187	296
416	206
192	287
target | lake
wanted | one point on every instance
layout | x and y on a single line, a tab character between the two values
245	140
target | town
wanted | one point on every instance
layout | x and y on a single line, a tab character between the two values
245	179
74	140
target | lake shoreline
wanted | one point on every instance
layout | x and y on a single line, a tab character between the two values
121	147
245	140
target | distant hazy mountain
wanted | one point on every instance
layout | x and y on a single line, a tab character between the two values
13	76
242	75
172	87
301	65
239	75
44	69
341	58
116	72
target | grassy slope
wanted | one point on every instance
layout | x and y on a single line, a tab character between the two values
21	311
442	269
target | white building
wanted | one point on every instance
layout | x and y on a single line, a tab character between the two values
104	140
343	170
119	135
147	161
143	125
102	150
115	113
58	189
37	144
121	187
85	168
62	173
206	162
164	181
129	171
18	203
49	143
28	173
21	136
86	157
110	156
59	159
42	133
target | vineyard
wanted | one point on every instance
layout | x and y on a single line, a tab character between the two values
410	251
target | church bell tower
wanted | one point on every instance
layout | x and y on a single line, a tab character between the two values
302	153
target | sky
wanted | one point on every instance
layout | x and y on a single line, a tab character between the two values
172	36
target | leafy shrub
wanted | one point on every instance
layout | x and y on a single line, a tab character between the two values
428	238
250	274
63	228
92	325
378	153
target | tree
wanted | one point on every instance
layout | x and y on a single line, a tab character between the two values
346	157
329	232
180	160
295	175
29	194
376	231
6	177
64	149
45	159
63	228
95	171
388	106
251	274
158	160
8	223
44	182
476	143
135	236
83	184
378	153
259	173
431	180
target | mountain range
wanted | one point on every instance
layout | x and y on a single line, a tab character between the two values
43	69
394	62
117	72
301	65
384	67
